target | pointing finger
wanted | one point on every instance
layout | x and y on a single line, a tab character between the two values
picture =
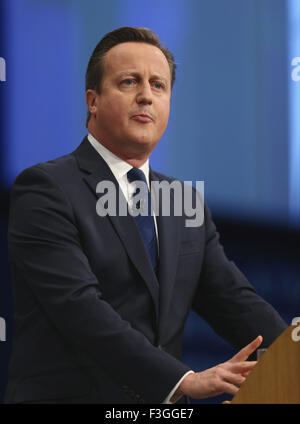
244	353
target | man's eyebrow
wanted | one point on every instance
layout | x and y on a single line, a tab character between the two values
160	77
137	75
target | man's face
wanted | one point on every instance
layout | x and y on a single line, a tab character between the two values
132	109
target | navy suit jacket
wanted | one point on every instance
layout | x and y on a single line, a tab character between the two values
93	322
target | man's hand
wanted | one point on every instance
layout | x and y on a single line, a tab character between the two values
223	378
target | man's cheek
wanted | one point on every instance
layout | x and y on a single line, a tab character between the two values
164	121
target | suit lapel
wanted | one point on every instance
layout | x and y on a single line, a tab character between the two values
96	170
169	238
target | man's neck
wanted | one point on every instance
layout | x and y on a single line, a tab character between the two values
133	158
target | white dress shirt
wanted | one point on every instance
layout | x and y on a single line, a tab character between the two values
120	168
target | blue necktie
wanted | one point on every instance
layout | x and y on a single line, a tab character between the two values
145	224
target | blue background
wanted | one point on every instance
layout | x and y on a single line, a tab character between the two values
234	123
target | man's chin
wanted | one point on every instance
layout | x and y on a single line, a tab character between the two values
144	142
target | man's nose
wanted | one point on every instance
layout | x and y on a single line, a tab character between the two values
144	95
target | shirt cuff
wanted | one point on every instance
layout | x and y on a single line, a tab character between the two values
167	400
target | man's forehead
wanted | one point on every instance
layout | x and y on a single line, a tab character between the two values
131	54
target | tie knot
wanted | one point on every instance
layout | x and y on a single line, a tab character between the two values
135	174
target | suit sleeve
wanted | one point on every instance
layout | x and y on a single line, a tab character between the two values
228	302
44	246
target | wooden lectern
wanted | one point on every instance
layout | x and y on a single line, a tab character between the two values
276	376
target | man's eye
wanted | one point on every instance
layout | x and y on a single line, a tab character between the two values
128	82
158	85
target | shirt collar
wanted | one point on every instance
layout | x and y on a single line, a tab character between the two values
117	165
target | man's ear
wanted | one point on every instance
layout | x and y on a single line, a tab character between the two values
91	101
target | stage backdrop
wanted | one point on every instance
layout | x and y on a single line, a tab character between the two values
235	108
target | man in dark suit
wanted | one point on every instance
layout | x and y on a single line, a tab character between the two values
101	302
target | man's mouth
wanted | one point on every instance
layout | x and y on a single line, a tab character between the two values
142	117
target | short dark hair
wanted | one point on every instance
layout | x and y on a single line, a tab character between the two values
95	69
